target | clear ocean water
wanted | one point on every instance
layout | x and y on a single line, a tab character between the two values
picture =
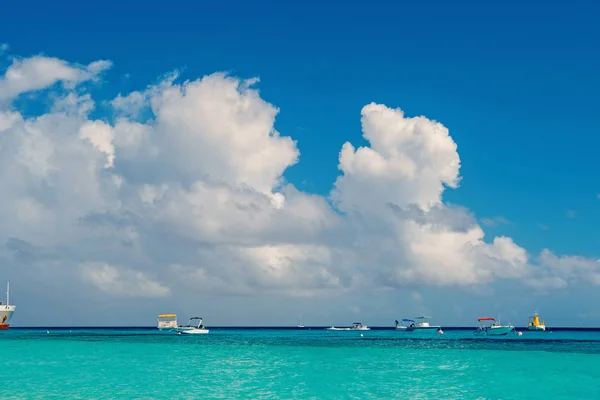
297	364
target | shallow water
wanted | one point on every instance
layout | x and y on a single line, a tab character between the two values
230	363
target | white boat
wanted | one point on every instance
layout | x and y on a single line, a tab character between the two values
357	326
535	324
495	329
167	322
192	329
6	310
401	327
422	325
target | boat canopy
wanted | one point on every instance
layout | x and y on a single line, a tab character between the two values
167	315
422	317
486	319
407	320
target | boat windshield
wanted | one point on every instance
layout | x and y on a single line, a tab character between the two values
196	321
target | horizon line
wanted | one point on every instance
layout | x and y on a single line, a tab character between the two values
276	327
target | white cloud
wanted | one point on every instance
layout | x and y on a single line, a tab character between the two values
194	200
74	104
130	105
100	135
40	72
408	162
570	269
122	281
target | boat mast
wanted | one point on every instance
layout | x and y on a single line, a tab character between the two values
7	293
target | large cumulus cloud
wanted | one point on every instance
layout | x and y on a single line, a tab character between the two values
192	197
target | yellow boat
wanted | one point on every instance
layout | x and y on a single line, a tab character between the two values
535	324
167	322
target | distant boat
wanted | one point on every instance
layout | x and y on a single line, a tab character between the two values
401	327
300	324
192	329
167	322
535	324
6	310
422	325
357	326
495	329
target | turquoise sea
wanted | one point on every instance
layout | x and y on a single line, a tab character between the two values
297	364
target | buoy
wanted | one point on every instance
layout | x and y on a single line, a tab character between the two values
440	332
520	333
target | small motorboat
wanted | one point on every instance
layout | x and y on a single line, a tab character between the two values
422	325
191	328
400	327
167	322
357	326
494	329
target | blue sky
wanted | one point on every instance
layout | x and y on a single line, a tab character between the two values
516	85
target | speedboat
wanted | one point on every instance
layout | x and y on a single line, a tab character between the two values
400	327
494	329
357	326
535	324
167	322
422	325
191	328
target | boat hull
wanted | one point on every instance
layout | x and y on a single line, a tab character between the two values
348	329
423	329
500	331
538	328
195	331
6	313
504	330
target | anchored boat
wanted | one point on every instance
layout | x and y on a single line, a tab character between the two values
535	324
167	322
357	326
494	329
401	327
6	310
422	325
191	328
